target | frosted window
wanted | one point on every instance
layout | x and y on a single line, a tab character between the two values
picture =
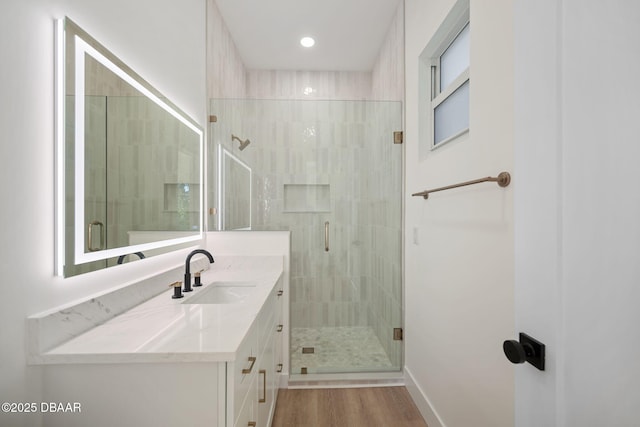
452	115
455	59
444	81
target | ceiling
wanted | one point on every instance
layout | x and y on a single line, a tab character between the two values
348	33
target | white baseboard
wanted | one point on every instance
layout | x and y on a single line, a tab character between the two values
422	401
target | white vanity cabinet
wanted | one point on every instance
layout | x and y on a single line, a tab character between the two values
239	393
252	380
172	363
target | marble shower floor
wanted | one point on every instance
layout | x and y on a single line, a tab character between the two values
337	349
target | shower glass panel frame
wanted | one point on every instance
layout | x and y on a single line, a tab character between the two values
329	172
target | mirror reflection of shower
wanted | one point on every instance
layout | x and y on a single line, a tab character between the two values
243	144
234	192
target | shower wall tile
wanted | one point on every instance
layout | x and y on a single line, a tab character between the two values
324	85
388	71
140	139
226	73
101	81
117	193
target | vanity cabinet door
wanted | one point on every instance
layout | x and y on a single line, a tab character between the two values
241	376
266	384
247	414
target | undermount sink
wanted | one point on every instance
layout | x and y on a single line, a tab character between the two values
223	293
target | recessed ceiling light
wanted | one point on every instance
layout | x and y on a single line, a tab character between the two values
307	41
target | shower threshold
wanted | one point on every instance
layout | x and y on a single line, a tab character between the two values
347	379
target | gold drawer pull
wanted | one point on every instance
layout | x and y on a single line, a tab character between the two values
251	424
252	359
279	328
264	386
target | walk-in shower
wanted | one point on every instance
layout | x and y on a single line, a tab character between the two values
329	172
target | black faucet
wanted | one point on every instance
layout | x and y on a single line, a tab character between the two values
122	257
187	267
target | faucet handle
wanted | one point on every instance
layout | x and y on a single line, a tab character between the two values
197	278
177	290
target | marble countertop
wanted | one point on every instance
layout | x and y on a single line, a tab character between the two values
163	329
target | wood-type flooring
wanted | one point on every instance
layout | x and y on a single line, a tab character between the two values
347	407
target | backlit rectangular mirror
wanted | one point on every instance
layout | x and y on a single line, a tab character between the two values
129	162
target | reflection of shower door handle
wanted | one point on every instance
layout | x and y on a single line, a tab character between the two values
326	236
90	236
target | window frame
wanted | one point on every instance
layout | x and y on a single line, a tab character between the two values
430	93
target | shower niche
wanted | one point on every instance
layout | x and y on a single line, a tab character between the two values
307	198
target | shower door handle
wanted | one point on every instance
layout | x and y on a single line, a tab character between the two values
326	236
90	246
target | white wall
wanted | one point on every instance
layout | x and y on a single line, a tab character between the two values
162	40
577	210
459	277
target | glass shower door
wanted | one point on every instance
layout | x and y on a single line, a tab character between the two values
329	172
